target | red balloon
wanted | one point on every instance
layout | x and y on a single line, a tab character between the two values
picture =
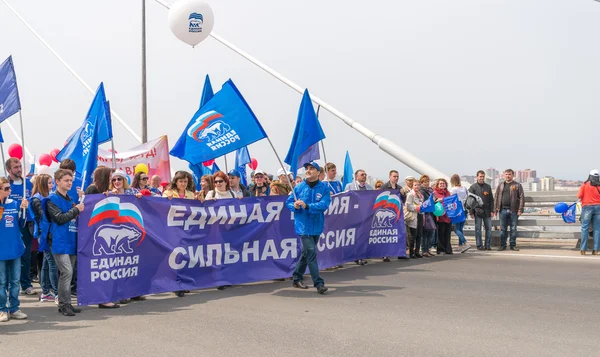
208	163
253	164
16	151
45	159
53	154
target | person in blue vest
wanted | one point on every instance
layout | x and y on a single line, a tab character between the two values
49	277
14	168
335	186
311	200
11	250
76	192
61	213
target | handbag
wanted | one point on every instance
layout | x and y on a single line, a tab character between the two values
429	222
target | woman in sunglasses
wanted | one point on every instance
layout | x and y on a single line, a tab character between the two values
11	249
141	181
222	189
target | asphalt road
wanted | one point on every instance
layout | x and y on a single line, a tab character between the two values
472	304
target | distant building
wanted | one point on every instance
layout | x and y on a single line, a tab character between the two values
492	173
468	179
534	187
526	175
547	183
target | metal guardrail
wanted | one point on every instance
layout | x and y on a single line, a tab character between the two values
542	224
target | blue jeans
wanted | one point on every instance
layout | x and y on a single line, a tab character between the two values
590	214
487	222
458	230
308	258
49	274
10	272
428	235
26	257
434	239
506	216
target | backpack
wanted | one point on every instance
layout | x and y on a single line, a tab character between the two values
473	201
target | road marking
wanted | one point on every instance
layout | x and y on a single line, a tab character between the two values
539	256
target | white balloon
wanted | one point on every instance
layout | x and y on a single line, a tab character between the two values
43	169
191	21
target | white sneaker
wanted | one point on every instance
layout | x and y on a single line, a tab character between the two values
56	300
3	316
18	315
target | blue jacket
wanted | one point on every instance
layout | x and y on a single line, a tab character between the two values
11	244
64	234
311	220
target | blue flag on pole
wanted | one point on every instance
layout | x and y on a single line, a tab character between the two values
9	93
454	209
429	205
307	134
207	92
224	124
1	138
242	158
215	168
348	171
83	146
570	215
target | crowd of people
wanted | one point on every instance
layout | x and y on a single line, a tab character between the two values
48	218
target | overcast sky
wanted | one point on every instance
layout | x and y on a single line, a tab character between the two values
463	85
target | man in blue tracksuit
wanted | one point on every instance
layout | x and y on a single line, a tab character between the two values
311	200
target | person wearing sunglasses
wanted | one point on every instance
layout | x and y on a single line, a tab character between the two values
11	250
222	189
119	184
141	181
260	188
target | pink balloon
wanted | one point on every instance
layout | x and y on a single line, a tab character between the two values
253	164
16	151
53	154
45	159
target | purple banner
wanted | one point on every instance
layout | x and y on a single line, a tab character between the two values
129	247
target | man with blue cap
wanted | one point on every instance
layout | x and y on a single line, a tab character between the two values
238	188
309	202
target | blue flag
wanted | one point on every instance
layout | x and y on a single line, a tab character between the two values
570	215
32	168
224	124
215	168
307	134
207	92
454	209
9	93
197	172
83	145
429	205
348	171
242	158
1	138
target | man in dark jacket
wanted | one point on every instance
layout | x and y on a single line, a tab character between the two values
484	213
236	186
62	214
510	201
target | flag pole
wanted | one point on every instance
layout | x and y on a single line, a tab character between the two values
281	163
225	158
24	164
3	159
114	159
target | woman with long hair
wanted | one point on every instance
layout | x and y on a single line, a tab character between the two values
101	184
462	194
141	181
222	189
49	272
207	184
444	224
182	186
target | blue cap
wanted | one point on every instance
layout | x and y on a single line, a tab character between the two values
234	173
313	164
